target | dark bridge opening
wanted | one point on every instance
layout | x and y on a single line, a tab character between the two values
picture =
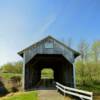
62	71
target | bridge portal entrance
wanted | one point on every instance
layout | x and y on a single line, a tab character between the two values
61	70
48	53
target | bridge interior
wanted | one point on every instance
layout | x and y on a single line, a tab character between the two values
62	68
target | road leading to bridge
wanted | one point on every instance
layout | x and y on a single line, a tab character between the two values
51	95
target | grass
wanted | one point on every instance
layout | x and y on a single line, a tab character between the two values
21	96
47	73
95	88
8	75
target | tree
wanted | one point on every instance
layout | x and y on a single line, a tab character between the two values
15	67
7	68
96	60
69	42
88	70
96	50
83	48
18	66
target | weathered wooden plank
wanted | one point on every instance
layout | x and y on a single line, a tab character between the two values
57	49
23	74
65	72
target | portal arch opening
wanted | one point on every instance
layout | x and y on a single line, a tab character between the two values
51	53
44	70
46	80
47	73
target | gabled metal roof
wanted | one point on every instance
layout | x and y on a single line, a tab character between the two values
74	52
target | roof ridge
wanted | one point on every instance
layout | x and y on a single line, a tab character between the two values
49	36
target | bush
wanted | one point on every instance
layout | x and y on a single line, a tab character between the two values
15	81
3	90
87	73
15	67
14	89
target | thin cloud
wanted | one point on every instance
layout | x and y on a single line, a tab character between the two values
49	22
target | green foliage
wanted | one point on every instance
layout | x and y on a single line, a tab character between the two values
96	50
18	67
47	73
7	68
12	67
9	75
88	67
22	96
88	72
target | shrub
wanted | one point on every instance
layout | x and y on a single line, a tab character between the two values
15	67
14	89
15	81
3	90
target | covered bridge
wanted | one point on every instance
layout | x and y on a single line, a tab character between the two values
48	53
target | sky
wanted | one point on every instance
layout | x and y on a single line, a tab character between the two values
22	22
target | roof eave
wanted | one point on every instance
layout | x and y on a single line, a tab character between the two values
20	53
76	54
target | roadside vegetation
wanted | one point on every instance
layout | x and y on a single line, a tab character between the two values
14	68
87	73
10	78
21	96
88	67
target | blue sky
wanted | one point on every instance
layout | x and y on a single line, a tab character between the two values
22	22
